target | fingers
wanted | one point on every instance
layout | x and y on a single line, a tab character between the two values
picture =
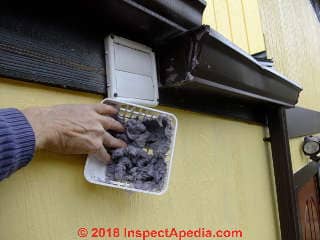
109	123
102	155
112	142
105	109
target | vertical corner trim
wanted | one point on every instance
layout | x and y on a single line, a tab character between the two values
286	197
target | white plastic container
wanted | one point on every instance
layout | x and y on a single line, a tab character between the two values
95	170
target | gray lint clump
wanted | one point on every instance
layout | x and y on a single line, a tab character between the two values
133	164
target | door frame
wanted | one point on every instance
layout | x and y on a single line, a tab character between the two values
304	175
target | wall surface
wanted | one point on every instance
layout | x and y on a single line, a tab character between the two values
237	20
221	179
292	34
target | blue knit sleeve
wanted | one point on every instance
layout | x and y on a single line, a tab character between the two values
17	141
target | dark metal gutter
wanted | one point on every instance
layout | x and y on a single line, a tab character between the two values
204	61
199	69
186	13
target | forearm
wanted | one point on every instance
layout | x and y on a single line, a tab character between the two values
17	141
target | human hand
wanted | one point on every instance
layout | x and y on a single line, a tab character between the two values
75	129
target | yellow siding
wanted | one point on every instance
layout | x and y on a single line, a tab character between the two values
292	34
237	24
221	12
253	26
221	178
237	20
209	15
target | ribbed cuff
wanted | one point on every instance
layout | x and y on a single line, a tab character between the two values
17	141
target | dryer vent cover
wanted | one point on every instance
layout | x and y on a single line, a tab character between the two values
131	71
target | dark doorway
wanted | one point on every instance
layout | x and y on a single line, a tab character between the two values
309	205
